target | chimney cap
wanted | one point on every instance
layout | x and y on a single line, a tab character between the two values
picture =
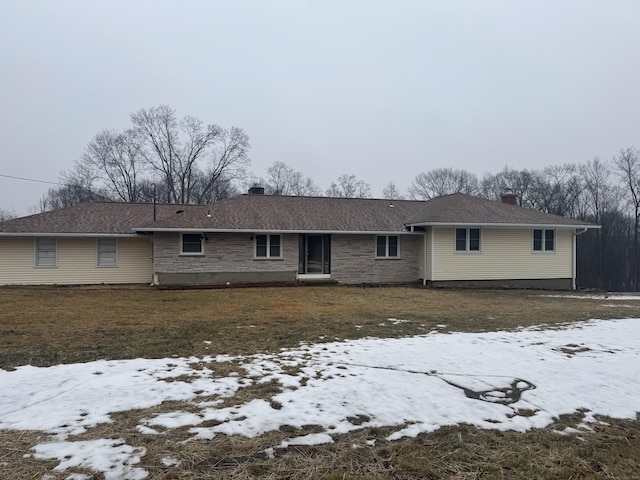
256	190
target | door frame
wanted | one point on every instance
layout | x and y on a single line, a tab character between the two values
303	255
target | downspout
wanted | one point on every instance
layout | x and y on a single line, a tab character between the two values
573	267
153	260
433	255
424	267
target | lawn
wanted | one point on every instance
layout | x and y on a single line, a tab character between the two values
224	330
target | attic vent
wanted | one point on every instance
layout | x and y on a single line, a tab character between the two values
179	211
256	190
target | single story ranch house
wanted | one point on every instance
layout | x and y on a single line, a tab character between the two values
254	238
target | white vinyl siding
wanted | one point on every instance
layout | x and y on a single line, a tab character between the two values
506	255
76	262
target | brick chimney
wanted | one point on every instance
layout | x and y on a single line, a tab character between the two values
510	198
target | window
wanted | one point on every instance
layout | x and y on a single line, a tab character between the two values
46	252
268	246
107	252
387	246
191	244
467	239
544	240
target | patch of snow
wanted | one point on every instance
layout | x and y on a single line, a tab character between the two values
270	452
416	384
68	399
311	439
113	458
608	296
146	430
171	462
396	321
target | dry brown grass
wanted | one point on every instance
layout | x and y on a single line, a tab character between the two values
50	325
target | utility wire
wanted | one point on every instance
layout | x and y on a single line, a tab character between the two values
29	179
105	199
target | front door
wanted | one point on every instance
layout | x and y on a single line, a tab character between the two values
315	252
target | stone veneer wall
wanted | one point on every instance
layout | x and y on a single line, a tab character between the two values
353	260
222	252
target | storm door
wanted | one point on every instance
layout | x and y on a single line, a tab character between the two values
315	254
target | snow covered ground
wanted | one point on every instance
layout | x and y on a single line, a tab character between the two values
415	384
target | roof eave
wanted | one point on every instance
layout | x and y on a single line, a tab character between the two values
502	225
66	234
275	230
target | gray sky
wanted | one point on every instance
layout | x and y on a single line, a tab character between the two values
380	89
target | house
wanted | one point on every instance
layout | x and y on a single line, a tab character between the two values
450	240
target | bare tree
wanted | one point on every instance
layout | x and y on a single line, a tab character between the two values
284	180
179	150
6	215
518	182
391	192
627	165
349	186
279	177
443	181
76	187
599	196
227	160
116	159
207	192
603	257
556	189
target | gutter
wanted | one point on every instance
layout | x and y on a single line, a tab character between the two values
502	225
257	230
85	235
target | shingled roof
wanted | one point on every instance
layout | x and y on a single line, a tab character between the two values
281	213
295	214
91	218
461	209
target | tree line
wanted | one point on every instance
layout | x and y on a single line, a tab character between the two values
171	160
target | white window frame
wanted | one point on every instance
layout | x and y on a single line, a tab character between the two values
386	247
37	261
543	240
467	239
100	260
268	246
200	236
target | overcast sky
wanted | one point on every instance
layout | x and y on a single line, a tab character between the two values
380	89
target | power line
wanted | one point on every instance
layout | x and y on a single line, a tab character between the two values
29	179
68	185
